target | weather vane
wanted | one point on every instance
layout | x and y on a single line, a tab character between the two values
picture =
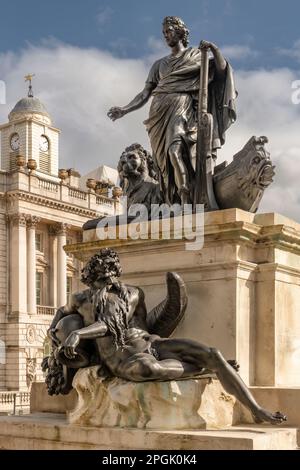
28	78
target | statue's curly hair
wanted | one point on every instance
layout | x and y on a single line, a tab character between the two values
179	26
107	260
147	162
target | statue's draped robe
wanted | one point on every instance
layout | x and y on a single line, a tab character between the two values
173	111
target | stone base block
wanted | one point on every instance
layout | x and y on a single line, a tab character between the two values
40	401
47	431
184	404
280	398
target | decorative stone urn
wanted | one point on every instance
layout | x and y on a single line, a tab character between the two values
63	174
91	184
20	161
102	187
31	164
117	192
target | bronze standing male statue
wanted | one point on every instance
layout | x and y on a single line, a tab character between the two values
173	82
108	324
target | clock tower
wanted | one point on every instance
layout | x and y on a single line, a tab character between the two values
30	133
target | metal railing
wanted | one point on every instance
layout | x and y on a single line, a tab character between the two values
14	402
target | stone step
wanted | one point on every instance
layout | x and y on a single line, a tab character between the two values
49	431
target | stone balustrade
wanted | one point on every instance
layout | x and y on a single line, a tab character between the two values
45	310
14	401
52	187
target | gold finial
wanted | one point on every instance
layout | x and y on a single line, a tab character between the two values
28	78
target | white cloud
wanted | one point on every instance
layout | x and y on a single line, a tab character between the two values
121	46
238	52
78	86
157	48
265	108
293	52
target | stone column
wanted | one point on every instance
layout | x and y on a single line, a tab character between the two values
32	222
61	264
18	250
52	230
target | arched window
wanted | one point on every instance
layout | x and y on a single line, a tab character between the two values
2	352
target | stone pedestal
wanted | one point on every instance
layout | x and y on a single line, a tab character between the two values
243	288
184	404
48	431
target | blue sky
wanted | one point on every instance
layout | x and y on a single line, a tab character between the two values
124	27
89	55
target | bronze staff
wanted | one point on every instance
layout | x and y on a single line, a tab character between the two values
204	192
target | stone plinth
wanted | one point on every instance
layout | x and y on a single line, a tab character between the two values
186	404
243	288
46	431
40	401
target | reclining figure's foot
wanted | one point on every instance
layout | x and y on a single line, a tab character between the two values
234	364
266	416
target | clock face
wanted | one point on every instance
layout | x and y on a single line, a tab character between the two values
44	143
15	142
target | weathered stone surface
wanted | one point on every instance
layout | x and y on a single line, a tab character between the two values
183	404
47	431
40	401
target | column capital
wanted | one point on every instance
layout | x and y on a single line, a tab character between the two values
52	230
32	221
18	219
78	236
60	228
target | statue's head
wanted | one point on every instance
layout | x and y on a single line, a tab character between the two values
104	266
257	170
136	161
174	30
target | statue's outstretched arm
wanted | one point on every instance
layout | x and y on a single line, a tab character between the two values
117	112
93	331
96	330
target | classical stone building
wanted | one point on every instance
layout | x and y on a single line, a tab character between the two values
42	209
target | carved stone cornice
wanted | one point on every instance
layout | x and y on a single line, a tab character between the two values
32	221
51	203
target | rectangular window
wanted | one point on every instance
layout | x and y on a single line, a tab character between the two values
12	162
39	286
44	163
69	288
39	241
